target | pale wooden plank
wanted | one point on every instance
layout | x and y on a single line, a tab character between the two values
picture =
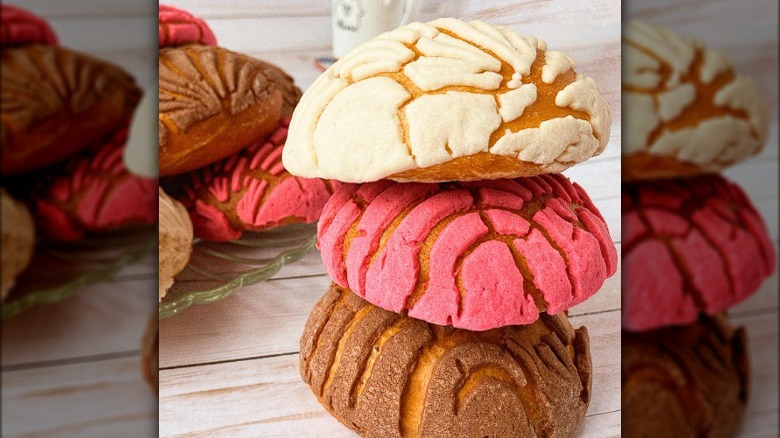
268	318
604	332
260	320
763	356
266	396
600	179
93	399
606	425
100	319
260	397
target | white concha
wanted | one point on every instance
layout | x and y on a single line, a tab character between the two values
447	100
687	111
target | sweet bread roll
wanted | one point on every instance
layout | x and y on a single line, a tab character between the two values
177	27
387	375
686	110
476	255
175	240
447	100
150	353
214	102
249	191
56	102
19	27
91	192
689	246
687	381
18	240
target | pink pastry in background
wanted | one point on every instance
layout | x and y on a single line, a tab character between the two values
178	27
249	191
92	192
690	245
21	27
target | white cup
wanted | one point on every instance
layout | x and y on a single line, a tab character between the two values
357	21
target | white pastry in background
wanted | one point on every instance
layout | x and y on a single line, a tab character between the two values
175	240
18	233
687	111
141	151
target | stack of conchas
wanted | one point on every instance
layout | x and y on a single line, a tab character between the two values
64	125
693	243
223	122
456	248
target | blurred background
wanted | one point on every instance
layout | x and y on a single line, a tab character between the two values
232	365
746	32
72	368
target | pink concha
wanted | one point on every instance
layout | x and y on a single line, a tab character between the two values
19	27
477	255
249	191
691	246
92	193
177	27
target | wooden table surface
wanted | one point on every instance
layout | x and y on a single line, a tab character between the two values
231	368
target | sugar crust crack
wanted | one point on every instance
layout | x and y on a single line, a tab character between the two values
427	95
685	103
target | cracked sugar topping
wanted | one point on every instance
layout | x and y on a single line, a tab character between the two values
690	246
476	255
685	102
416	103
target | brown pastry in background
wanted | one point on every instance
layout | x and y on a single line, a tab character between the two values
57	102
214	102
383	374
686	381
150	352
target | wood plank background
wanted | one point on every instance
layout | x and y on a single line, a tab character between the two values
72	369
232	366
746	32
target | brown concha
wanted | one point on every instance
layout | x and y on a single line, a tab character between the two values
684	381
55	102
214	102
387	375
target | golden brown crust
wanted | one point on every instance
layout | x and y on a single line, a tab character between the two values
214	102
477	167
383	374
684	381
55	102
643	166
